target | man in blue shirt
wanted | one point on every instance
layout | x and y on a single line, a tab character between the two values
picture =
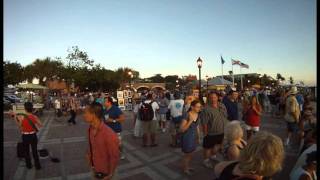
231	104
114	117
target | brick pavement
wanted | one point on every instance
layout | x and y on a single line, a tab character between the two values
69	144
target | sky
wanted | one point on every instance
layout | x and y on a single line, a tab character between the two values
168	36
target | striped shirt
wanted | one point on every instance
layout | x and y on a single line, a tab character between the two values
214	118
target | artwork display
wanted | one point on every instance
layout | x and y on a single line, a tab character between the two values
129	94
125	94
119	94
121	102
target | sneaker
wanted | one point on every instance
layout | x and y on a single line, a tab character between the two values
207	164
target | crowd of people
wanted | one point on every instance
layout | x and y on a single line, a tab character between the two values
216	124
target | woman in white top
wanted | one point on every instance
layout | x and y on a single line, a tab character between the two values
308	171
137	122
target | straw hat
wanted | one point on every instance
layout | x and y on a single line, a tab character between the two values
293	90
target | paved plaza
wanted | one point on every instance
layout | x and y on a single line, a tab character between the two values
69	144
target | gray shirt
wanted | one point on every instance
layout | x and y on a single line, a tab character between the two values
163	104
214	118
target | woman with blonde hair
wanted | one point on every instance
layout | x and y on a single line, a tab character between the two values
262	157
234	142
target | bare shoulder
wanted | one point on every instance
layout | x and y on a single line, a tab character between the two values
220	166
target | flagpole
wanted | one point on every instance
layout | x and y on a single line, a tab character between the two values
241	78
222	69
232	74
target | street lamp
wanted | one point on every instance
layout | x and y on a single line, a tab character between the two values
177	83
131	76
199	63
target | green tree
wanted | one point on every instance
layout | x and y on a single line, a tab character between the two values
43	69
13	73
171	81
157	78
77	58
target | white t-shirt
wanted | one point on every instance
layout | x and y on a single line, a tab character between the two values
176	107
57	104
155	107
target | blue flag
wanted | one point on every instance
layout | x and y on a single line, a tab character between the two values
222	61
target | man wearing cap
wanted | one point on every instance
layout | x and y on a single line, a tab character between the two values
292	113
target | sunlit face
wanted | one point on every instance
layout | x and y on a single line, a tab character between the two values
235	95
196	108
107	103
214	98
88	117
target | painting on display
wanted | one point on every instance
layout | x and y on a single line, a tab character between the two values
121	102
119	94
125	94
130	100
129	94
126	101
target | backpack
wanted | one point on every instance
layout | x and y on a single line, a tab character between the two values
146	112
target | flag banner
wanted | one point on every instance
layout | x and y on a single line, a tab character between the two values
222	60
243	65
235	62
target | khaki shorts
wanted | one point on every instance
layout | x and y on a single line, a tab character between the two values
162	117
173	128
149	126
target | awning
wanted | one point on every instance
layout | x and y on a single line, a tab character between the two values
31	86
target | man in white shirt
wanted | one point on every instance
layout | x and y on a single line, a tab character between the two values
176	109
57	106
150	127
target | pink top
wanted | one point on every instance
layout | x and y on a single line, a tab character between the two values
105	149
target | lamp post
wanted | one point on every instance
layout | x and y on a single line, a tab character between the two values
207	79
248	83
199	63
131	76
260	76
177	84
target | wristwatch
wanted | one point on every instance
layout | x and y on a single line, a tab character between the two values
114	121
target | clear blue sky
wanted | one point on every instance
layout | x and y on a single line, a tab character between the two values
168	36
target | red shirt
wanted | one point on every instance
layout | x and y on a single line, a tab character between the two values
253	119
105	149
26	127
